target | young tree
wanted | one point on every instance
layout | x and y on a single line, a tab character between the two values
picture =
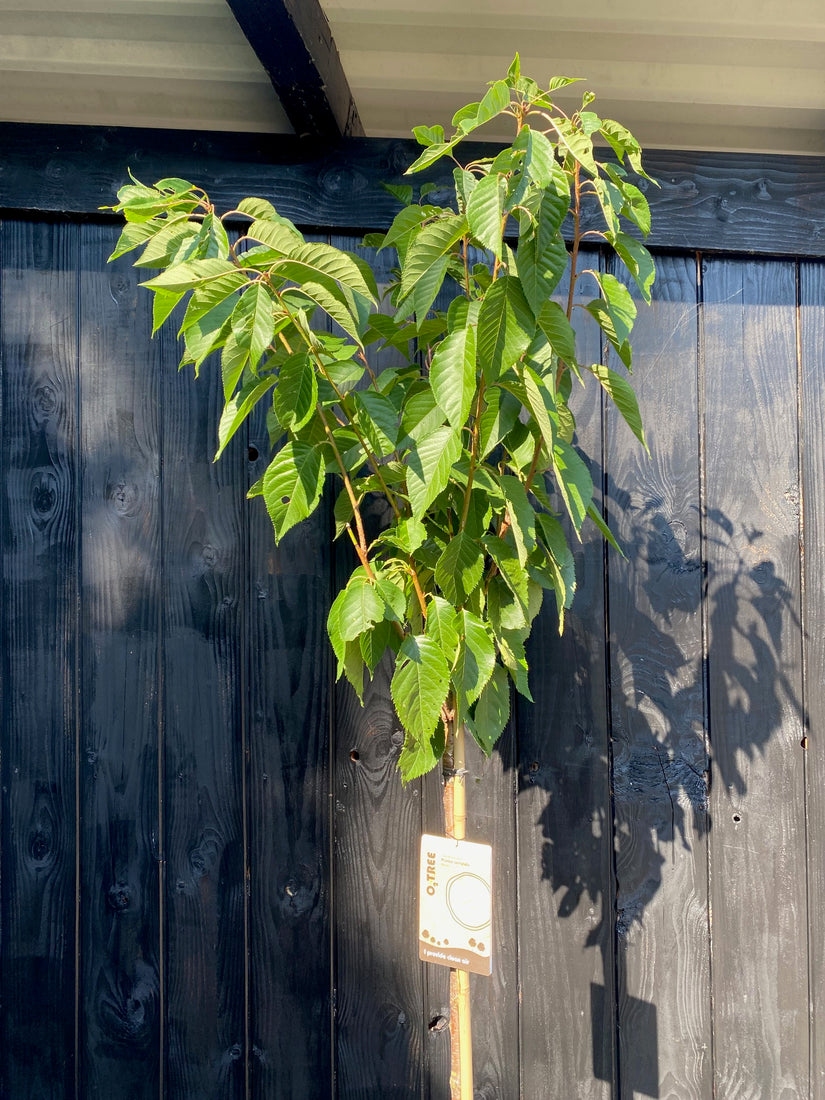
470	442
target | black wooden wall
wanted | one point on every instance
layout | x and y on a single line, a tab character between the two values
207	871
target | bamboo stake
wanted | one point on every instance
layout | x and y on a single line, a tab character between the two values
455	823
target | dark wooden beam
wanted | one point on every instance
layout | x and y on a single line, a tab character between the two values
293	42
715	202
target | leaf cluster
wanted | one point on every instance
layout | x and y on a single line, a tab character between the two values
470	441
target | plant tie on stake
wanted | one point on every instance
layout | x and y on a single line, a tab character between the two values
470	441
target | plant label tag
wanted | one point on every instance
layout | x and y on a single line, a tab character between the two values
456	904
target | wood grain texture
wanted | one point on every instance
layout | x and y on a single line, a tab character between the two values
38	751
713	201
378	978
566	890
120	560
812	356
204	634
757	839
657	707
289	700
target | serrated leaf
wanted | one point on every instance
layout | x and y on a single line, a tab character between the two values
577	143
460	568
521	515
552	321
476	656
162	306
238	409
209	331
253	321
492	711
431	154
421	416
506	326
133	235
296	394
574	482
401	191
374	644
561	560
542	406
428	247
623	397
636	259
500	414
453	374
428	135
442	627
206	298
404	225
292	485
419	689
187	276
484	212
620	305
360	606
377	420
234	358
429	465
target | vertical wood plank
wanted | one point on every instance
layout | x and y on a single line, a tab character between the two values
289	684
812	348
757	839
565	864
204	624
119	684
377	826
38	352
657	707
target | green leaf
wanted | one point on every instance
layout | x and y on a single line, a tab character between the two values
377	420
134	234
600	311
334	307
428	135
521	515
442	627
264	210
316	262
505	327
453	374
404	225
429	467
374	644
620	305
636	259
206	298
580	145
209	331
292	486
500	414
484	212
421	416
163	304
238	409
460	568
431	154
552	321
492	711
574	482
561	561
541	404
188	275
401	191
476	656
360	606
623	397
296	395
428	247
253	321
596	516
419	689
234	358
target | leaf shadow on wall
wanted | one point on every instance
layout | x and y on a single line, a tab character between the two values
619	748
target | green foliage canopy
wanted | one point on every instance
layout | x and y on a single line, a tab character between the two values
471	440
